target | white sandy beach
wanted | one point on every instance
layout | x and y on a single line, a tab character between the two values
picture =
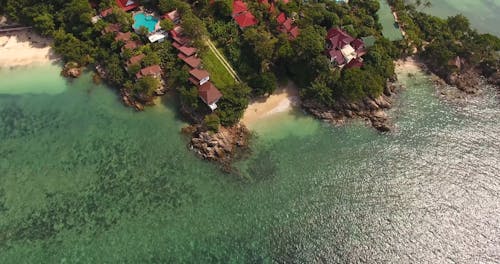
24	48
281	101
410	65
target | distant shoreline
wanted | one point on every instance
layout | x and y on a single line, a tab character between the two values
25	48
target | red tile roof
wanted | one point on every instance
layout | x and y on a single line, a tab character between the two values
176	45
199	74
288	24
357	44
111	28
354	63
176	31
188	51
336	55
131	45
338	38
285	1
127	5
281	18
192	61
294	33
209	93
272	8
172	15
106	12
245	20
123	36
181	40
153	70
239	7
135	59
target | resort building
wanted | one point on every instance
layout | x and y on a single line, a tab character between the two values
153	71
172	16
106	12
135	60
199	77
111	28
192	61
131	45
209	94
120	36
242	16
187	51
344	50
127	5
286	26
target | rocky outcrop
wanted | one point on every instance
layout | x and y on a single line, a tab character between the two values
370	109
224	146
468	81
72	70
130	101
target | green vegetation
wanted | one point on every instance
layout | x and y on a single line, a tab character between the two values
262	54
218	73
212	122
440	41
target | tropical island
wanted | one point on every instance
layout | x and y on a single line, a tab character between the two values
216	56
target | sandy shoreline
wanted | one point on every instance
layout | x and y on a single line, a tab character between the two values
24	48
409	65
283	100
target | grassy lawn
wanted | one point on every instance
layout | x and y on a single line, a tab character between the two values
218	74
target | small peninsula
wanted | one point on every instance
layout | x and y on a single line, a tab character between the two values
216	57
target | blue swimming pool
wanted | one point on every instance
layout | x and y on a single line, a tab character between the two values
141	19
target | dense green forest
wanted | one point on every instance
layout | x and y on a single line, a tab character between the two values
439	41
262	54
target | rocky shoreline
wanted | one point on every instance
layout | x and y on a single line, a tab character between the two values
224	146
370	109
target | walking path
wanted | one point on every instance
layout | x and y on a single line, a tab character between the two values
223	60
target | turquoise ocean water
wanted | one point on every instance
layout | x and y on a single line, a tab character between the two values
85	180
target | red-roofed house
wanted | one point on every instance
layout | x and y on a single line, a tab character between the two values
336	57
172	16
106	12
286	26
245	20
192	61
209	94
120	36
338	38
127	5
135	60
293	33
281	18
344	50
176	31
187	51
355	63
111	28
131	45
358	44
199	76
239	7
154	71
